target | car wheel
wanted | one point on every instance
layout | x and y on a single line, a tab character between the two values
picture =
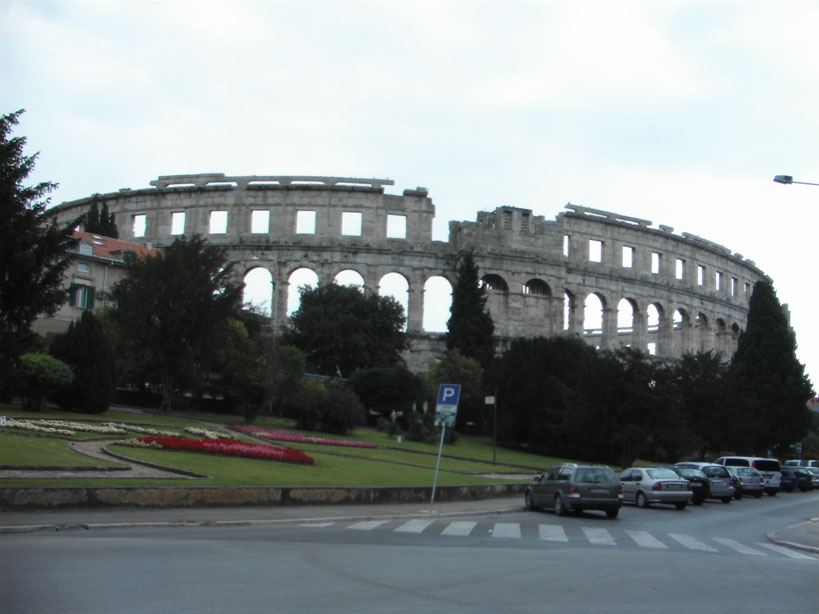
680	506
758	494
527	500
726	499
771	492
698	500
560	509
612	513
641	500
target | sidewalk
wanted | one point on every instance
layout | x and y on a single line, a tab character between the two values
802	536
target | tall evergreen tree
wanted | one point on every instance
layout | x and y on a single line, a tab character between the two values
100	221
767	381
32	250
470	326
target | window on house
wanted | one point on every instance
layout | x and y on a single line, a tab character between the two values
351	223
139	225
595	250
218	222
306	222
700	275
656	258
83	267
86	249
396	226
680	268
628	257
260	222
81	296
178	223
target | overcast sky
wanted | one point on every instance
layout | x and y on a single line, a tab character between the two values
679	112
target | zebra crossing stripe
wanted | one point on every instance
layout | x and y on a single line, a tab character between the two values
414	526
601	537
509	530
553	533
459	527
644	539
787	552
692	543
741	548
366	525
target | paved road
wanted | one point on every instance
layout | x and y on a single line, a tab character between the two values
448	560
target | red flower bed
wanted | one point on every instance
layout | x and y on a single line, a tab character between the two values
299	438
231	448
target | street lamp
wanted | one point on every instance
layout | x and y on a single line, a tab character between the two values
787	180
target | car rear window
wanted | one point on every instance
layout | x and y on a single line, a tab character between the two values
737	462
594	475
692	473
716	471
767	465
662	474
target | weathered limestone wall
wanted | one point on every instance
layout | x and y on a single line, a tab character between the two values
537	271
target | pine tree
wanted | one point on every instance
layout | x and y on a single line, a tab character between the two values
470	326
100	221
32	250
767	381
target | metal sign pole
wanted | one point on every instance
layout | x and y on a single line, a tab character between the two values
437	466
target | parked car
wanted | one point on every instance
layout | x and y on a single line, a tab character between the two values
768	467
719	480
698	481
796	477
801	463
575	488
646	485
814	471
747	481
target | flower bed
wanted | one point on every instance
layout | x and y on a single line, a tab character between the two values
230	448
299	438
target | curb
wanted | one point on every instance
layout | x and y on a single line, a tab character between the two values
774	539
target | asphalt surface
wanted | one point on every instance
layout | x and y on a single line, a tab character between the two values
801	536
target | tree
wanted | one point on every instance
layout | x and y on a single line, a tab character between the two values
87	350
768	383
387	389
331	409
32	250
100	221
341	329
38	375
170	309
470	327
455	368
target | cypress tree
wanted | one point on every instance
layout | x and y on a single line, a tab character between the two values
470	326
767	381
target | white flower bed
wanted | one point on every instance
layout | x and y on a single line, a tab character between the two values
206	434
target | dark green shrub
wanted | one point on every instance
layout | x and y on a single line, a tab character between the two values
331	410
37	375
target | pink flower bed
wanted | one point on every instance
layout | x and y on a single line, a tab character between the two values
299	438
231	448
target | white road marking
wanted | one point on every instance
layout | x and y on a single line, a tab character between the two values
459	527
317	525
741	548
787	552
553	533
644	539
509	530
366	525
691	543
601	537
414	526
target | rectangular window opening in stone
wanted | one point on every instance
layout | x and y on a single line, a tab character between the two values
734	283
260	221
306	222
507	220
396	226
655	262
680	268
139	225
718	281
566	242
595	250
747	288
700	275
628	257
218	222
652	349
524	223
178	223
351	223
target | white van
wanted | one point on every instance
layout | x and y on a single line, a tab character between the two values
769	468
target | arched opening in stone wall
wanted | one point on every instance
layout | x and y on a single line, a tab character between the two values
396	286
703	332
437	302
297	280
349	277
626	309
723	339
258	291
593	316
569	306
536	287
494	283
653	318
681	331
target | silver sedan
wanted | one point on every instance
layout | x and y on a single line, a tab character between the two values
646	485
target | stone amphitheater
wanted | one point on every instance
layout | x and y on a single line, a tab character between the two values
612	279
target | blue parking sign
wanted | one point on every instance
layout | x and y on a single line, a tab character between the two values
448	394
447	408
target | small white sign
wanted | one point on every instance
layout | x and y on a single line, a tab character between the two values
489	401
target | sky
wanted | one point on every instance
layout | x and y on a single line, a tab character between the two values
676	111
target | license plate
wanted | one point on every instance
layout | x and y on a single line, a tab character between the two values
673	486
599	491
